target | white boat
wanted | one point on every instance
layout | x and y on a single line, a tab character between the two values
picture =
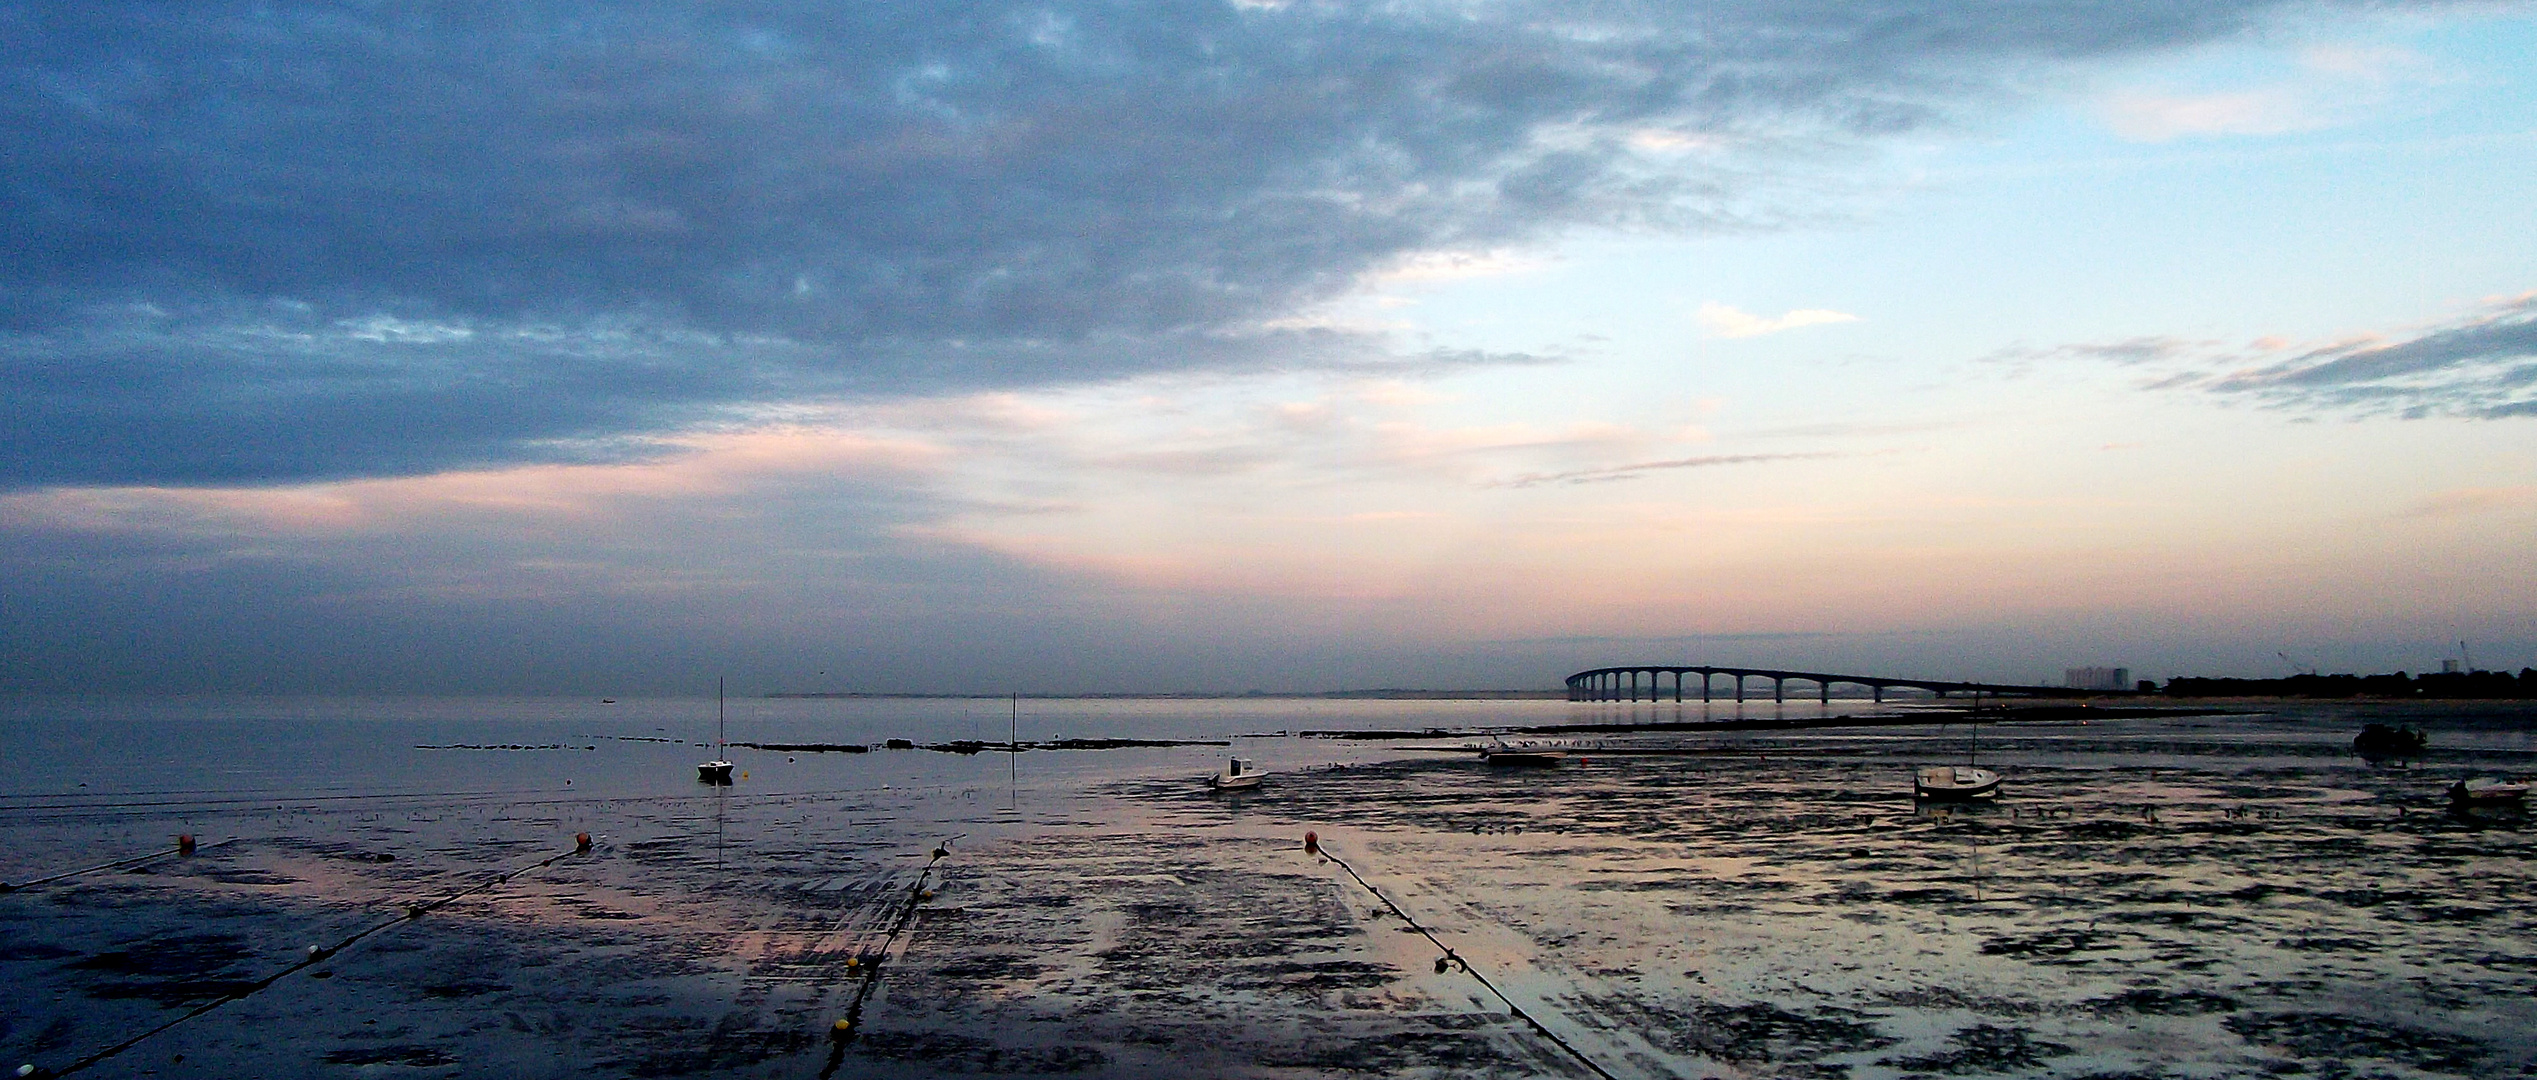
1538	755
717	771
2499	793
1955	783
1238	774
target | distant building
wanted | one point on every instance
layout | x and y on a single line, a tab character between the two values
2097	678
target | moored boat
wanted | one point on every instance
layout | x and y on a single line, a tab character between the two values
1536	755
1238	774
2495	793
717	771
1955	783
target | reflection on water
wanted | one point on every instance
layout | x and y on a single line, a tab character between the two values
2212	895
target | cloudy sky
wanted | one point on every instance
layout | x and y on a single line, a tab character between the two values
1219	345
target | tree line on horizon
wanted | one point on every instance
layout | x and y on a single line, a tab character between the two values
2430	684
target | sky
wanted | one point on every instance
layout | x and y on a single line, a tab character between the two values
1254	345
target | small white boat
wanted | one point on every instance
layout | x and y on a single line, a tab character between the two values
717	771
1238	774
1955	783
2495	793
1537	755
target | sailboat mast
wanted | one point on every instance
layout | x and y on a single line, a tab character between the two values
717	717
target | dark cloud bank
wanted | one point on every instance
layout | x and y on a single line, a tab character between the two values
264	242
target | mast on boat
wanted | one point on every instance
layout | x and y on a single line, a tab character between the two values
717	771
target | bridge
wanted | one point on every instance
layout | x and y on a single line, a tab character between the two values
1623	684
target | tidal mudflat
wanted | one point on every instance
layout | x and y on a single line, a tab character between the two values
2206	896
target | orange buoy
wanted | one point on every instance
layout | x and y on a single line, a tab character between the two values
581	843
184	843
1312	842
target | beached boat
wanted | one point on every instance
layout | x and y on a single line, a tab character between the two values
1238	774
717	771
2488	793
1955	783
1522	753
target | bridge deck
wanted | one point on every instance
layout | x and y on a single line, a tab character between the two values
1609	684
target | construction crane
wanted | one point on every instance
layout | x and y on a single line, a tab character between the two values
2304	669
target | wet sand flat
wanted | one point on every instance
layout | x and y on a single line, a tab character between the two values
2146	900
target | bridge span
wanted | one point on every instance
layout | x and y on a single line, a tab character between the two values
1622	684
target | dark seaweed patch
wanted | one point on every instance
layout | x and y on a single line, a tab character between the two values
990	967
169	970
416	1056
1389	1054
1756	1032
2335	1037
1984	1048
463	989
2166	1002
2052	943
962	1053
2102	830
1325	975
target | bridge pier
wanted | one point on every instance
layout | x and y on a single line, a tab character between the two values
1779	691
1826	687
1739	688
1704	685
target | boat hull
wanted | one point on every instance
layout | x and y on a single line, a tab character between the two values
1955	783
1244	782
1523	759
2496	795
714	772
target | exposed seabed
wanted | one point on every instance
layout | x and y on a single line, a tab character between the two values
2135	906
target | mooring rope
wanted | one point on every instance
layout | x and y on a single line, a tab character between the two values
1312	843
847	1026
184	846
317	954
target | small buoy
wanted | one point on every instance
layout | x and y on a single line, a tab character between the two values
184	846
581	842
1312	842
1440	965
27	1069
842	1028
316	953
852	962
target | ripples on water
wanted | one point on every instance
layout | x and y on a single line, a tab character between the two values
2169	896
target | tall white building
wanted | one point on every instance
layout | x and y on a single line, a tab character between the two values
2097	678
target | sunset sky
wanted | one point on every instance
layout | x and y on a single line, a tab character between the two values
569	348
